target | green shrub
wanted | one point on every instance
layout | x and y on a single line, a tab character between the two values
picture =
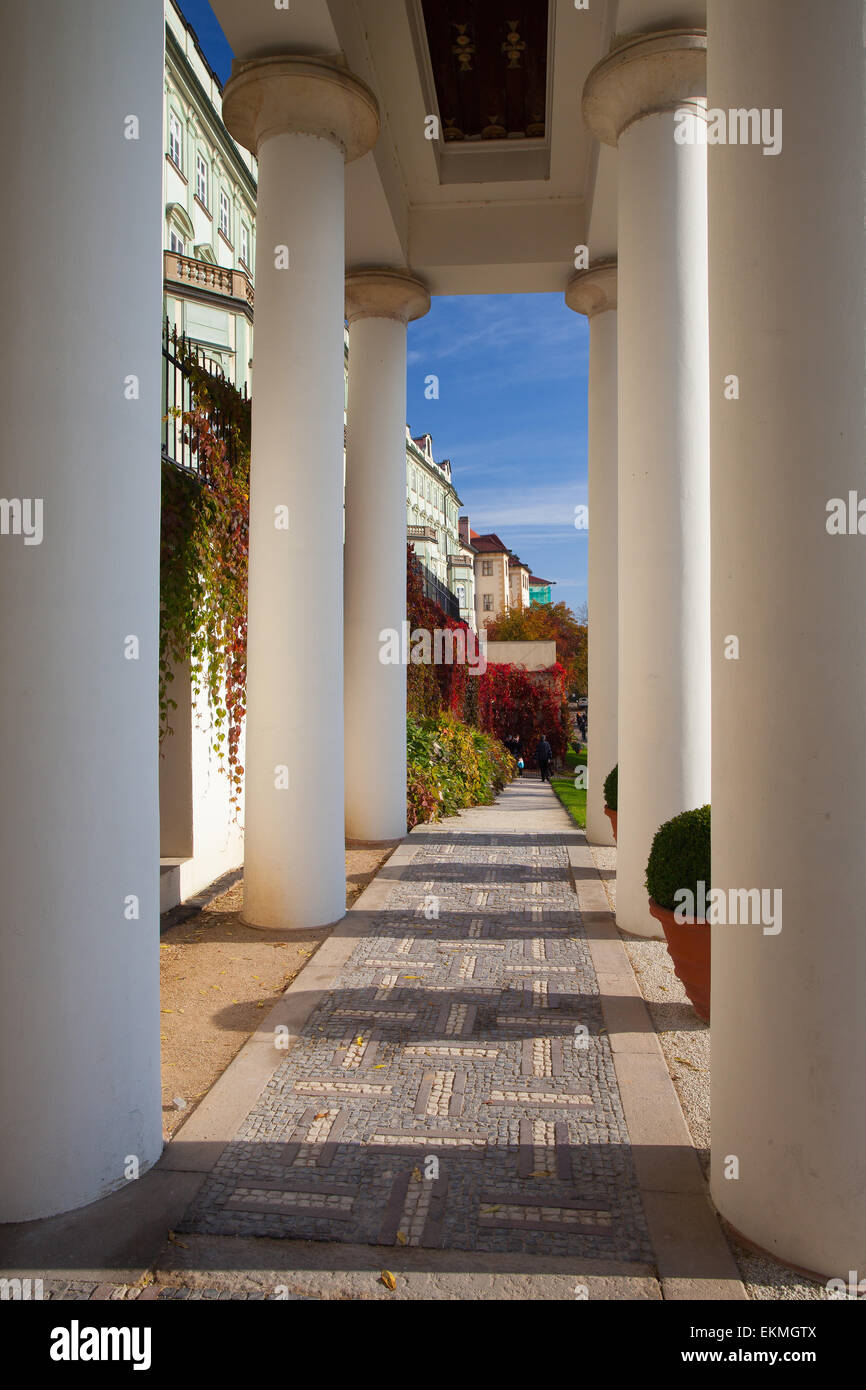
610	787
680	857
451	766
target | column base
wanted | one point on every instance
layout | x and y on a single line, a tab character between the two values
391	842
289	930
602	836
648	930
730	1230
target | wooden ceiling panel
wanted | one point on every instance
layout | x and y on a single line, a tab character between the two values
489	60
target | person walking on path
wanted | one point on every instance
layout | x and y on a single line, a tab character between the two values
544	756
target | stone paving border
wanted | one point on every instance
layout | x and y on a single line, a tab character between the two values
694	1258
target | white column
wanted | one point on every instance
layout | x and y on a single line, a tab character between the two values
593	292
789	753
664	601
379	304
303	118
80	401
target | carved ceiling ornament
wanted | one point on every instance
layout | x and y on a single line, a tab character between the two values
463	48
494	130
514	46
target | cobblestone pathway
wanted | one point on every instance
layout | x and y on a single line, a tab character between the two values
455	1087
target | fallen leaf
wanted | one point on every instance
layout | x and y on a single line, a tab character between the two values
380	1066
684	1063
177	1241
387	1278
166	1011
359	1041
416	1173
321	1115
402	1240
487	1211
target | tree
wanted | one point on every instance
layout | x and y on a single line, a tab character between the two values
545	622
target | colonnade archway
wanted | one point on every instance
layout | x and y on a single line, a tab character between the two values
705	263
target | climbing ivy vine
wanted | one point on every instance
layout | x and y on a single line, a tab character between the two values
204	551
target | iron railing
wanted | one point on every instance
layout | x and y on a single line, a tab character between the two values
437	591
178	352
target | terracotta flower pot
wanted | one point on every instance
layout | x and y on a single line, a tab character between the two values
611	815
689	948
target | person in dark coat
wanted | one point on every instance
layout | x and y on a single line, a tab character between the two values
544	757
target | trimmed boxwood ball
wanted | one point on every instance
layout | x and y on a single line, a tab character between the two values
680	857
610	788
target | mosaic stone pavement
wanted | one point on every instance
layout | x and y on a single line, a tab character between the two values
455	1087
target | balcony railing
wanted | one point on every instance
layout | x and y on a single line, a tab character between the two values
439	592
177	397
215	279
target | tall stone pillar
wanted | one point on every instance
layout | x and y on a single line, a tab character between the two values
630	100
379	304
789	754
81	92
593	292
303	117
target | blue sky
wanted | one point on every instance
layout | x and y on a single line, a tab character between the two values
511	413
212	40
511	416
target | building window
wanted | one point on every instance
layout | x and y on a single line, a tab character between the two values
225	215
176	243
486	566
245	243
461	595
175	140
201	179
488	603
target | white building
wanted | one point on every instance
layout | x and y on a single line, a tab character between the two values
432	523
210	210
709	266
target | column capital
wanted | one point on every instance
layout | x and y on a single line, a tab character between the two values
644	75
300	94
593	291
385	294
